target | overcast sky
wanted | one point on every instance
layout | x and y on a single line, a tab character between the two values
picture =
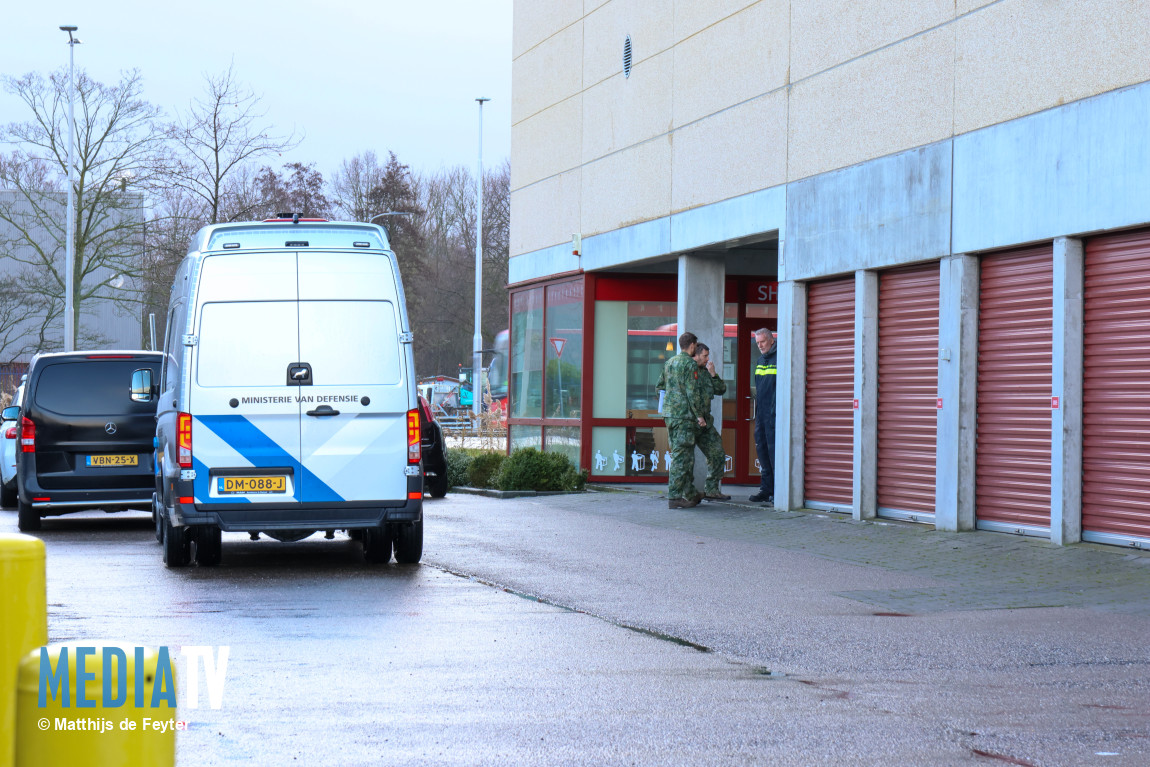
351	75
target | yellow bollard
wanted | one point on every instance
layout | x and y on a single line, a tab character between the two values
23	622
123	725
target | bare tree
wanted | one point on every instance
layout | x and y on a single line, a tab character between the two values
120	154
217	137
352	185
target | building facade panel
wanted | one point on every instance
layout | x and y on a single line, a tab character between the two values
1079	168
649	23
827	33
629	186
547	74
892	211
693	16
895	99
739	58
621	112
532	23
545	213
558	129
731	153
1018	57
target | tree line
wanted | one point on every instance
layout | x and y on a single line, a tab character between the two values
145	182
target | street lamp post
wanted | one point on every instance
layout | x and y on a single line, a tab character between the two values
477	340
70	245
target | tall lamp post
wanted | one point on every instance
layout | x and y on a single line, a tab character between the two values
477	340
70	245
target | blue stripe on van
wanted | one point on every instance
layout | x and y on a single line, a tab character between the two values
242	436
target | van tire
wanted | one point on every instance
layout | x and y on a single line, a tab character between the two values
409	543
377	545
437	485
8	495
158	514
177	548
28	519
209	545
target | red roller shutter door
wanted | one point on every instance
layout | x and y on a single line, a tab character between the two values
829	452
1116	387
907	390
1015	364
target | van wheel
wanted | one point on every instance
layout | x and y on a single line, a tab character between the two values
437	485
377	545
8	495
28	519
158	517
409	543
209	546
177	551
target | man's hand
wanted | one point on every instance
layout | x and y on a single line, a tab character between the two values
702	421
711	368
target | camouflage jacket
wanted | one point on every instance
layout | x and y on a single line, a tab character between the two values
706	387
680	377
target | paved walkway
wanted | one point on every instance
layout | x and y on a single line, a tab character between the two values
981	570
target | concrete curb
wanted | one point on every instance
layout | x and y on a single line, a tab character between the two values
502	494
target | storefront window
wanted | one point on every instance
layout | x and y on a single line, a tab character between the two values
634	338
564	372
562	439
525	389
525	436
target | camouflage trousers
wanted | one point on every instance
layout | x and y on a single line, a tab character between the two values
684	437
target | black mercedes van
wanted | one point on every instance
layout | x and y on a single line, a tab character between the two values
86	434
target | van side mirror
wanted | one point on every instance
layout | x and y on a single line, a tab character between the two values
142	385
11	413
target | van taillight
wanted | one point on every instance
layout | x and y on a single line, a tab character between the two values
413	436
27	435
184	440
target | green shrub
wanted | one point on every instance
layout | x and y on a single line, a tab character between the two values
484	469
529	469
458	459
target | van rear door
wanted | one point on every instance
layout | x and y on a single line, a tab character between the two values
244	401
354	413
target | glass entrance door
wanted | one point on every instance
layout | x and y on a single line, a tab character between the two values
757	316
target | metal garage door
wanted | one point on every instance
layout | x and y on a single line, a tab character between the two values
1116	389
1015	333
907	391
829	462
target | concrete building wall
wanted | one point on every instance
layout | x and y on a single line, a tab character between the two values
729	97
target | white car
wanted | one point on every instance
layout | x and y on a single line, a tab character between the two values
10	433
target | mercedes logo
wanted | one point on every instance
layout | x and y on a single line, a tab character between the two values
110	428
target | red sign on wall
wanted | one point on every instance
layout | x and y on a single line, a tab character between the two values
1054	403
940	403
762	292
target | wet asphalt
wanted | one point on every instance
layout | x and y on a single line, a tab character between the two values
603	628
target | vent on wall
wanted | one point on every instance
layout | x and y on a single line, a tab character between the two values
627	57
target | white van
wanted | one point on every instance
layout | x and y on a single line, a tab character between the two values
287	395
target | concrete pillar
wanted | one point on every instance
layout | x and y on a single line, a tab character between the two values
1066	420
791	395
702	285
864	494
958	389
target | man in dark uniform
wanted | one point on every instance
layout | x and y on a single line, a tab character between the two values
766	376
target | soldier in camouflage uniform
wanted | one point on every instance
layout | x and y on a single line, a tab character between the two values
683	419
710	384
